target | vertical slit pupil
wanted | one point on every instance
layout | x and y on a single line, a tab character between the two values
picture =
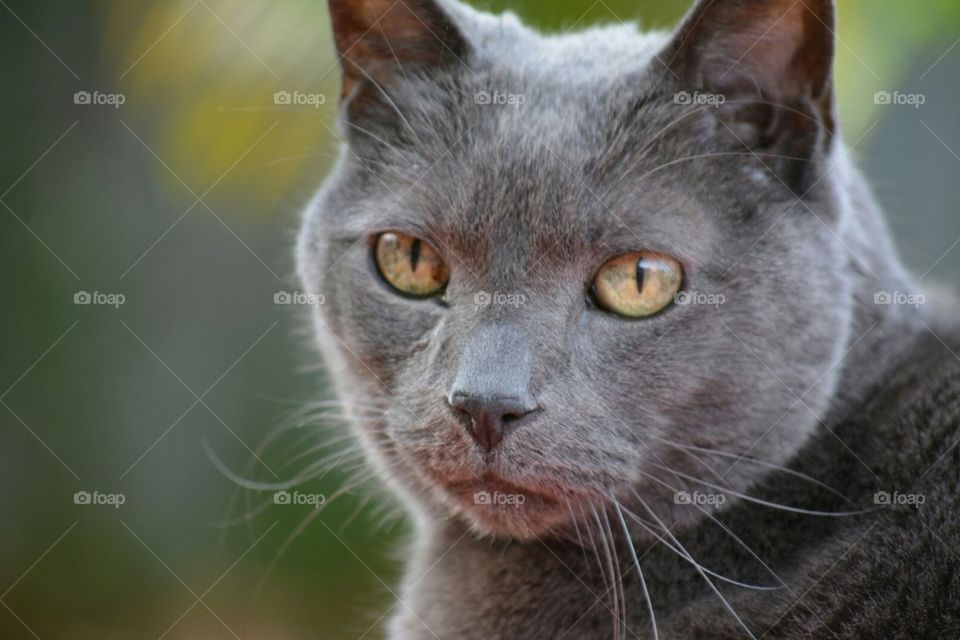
640	271
414	254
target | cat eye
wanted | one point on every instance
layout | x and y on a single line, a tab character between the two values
410	265
637	285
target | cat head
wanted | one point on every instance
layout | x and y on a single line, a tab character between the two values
549	263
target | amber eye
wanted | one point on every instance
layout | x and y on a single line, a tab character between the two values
410	265
637	285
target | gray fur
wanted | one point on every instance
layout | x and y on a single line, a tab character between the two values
531	199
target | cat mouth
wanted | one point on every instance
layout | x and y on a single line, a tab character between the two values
495	505
493	491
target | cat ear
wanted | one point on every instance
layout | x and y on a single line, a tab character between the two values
379	39
770	60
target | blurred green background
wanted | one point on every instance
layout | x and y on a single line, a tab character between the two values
185	200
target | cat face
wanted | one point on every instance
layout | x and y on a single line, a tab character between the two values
490	174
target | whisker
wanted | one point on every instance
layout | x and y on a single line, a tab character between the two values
322	409
338	403
253	511
309	451
703	574
766	503
320	468
252	484
726	530
613	577
701	463
299	156
249	515
360	507
618	576
261	449
576	528
649	528
608	586
304	523
636	563
384	513
762	463
273	108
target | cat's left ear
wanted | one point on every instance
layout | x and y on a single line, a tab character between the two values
771	61
379	40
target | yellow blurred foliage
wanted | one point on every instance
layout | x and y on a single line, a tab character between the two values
200	79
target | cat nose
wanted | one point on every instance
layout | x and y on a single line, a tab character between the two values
493	381
491	417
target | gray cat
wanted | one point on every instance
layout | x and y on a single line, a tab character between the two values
615	317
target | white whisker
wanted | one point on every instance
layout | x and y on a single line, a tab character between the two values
678	550
608	557
762	463
636	563
726	530
699	569
766	503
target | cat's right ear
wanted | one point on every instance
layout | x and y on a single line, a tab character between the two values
770	63
380	40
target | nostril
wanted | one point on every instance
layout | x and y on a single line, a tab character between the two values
490	417
510	418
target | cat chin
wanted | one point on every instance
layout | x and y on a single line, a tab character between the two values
530	522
